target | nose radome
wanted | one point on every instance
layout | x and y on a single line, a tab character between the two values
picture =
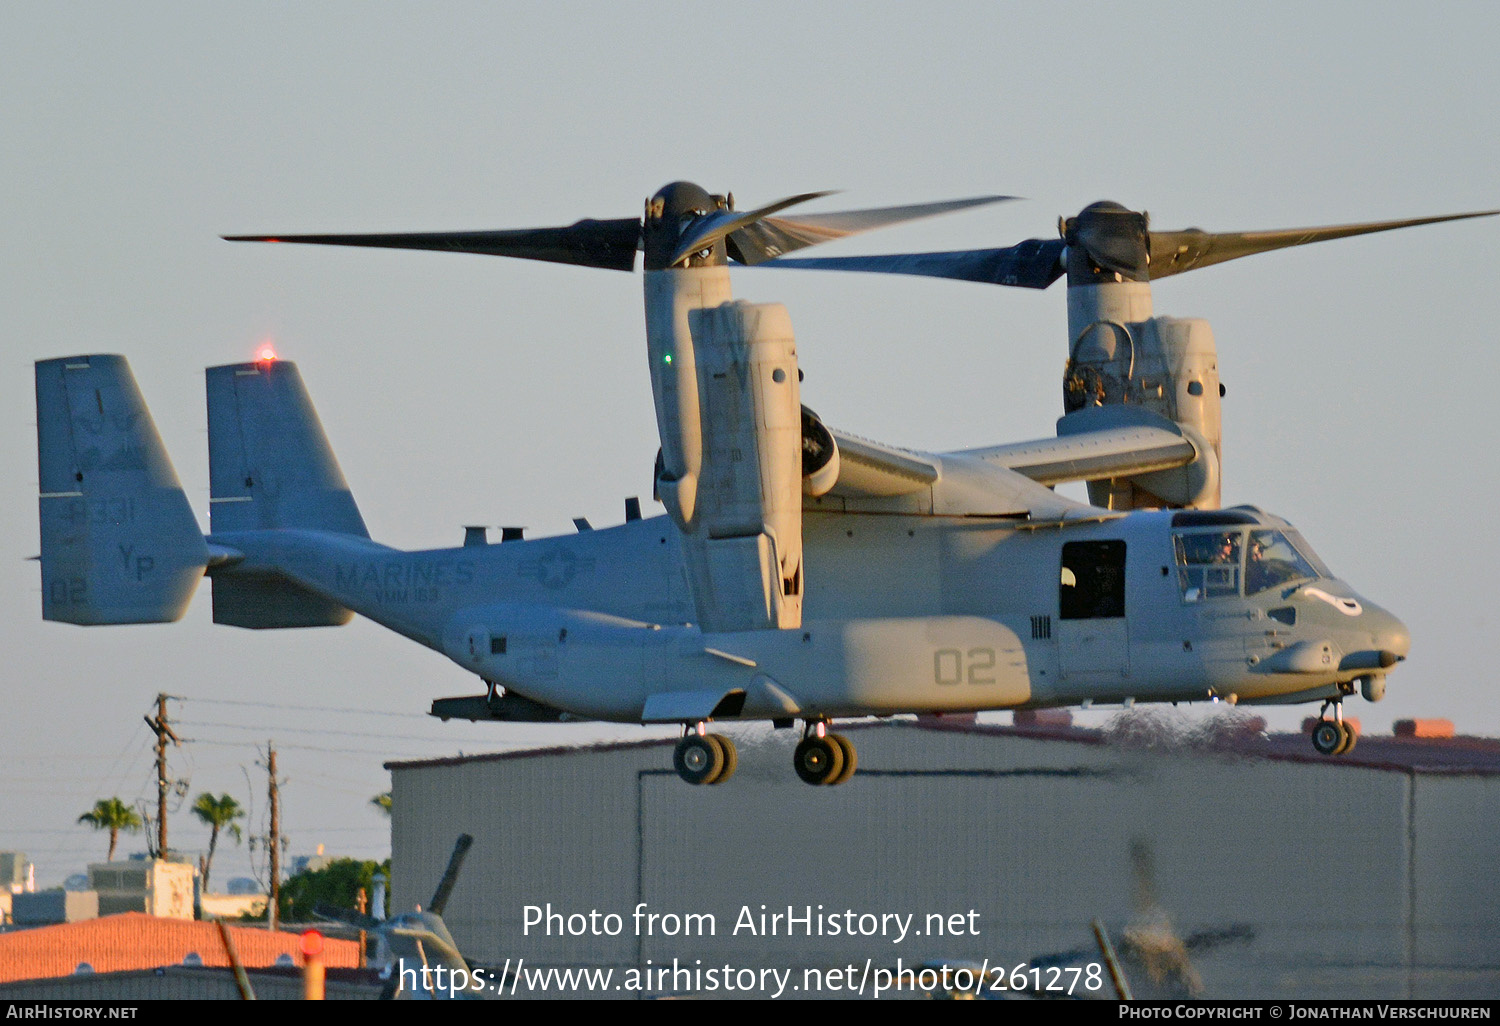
1387	633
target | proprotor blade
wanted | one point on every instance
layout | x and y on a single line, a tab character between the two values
1033	264
769	237
1108	240
1192	248
708	229
608	244
682	219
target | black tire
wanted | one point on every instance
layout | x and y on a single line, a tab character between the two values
731	758
818	760
1350	737
851	759
1327	737
718	743
698	759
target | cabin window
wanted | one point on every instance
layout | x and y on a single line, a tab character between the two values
1209	564
1093	580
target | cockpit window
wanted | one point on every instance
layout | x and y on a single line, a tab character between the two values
1306	552
1272	560
1208	564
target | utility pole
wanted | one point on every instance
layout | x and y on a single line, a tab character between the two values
163	731
275	797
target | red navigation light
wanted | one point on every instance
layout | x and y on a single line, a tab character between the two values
266	353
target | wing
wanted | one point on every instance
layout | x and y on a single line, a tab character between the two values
869	470
878	478
1103	445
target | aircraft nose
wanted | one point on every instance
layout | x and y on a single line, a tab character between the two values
1377	641
1387	633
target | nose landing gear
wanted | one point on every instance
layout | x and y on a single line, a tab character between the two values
1333	736
703	758
822	757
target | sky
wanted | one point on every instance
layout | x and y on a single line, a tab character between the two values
464	390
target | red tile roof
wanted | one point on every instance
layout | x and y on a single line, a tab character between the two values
134	940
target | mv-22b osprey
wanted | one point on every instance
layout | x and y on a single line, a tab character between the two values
799	573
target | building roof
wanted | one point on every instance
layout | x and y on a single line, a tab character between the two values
1244	737
134	940
183	983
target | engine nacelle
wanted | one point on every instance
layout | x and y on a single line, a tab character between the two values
1167	365
740	507
820	464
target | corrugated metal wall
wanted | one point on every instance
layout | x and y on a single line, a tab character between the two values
1286	878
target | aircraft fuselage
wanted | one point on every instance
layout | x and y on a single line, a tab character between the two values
902	614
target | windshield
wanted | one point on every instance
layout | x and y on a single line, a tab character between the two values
1305	550
1215	564
1272	559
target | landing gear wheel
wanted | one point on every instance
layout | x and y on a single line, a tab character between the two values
698	759
818	760
1328	737
851	759
1347	744
731	758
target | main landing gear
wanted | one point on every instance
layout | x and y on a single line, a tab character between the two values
1333	736
824	758
703	758
821	757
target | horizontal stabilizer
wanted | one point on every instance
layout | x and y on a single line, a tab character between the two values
270	601
120	543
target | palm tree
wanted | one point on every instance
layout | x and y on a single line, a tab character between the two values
219	813
382	802
113	815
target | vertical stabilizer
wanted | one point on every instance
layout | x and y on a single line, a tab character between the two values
270	467
269	463
120	543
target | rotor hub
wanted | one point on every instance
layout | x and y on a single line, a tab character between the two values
669	214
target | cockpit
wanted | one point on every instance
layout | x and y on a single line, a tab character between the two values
1233	553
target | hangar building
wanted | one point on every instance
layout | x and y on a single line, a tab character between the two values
1222	861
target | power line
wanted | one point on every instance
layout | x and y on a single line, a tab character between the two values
376	753
319	731
305	708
